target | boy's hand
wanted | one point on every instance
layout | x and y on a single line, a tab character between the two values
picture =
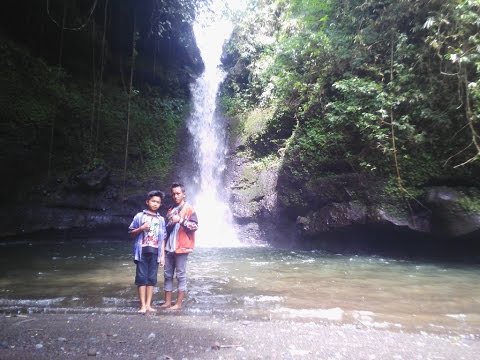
191	225
145	226
162	260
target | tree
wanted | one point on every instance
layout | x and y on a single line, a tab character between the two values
454	35
355	85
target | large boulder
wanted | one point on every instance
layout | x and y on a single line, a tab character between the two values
253	194
277	201
455	212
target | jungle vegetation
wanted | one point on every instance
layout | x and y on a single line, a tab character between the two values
386	88
93	83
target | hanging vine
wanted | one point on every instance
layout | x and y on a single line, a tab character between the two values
130	94
92	10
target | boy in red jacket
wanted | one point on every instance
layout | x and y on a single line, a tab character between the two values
181	227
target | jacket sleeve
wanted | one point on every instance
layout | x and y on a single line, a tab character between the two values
193	217
135	222
190	217
162	237
164	230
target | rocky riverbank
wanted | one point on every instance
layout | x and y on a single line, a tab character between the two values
169	335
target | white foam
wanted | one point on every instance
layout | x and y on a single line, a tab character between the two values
335	314
457	316
30	302
262	299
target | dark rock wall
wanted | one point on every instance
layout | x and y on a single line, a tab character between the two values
76	197
349	210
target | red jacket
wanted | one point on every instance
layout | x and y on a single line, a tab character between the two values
185	237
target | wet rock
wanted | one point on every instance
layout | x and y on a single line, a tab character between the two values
401	216
335	215
94	180
455	212
92	352
39	346
276	198
3	345
253	193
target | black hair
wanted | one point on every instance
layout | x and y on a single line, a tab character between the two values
177	184
153	193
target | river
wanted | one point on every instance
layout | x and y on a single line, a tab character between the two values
245	282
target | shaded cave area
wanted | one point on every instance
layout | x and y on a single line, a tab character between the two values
385	240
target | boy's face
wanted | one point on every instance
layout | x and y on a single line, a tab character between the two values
154	203
178	195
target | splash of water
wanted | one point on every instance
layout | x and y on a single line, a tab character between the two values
208	132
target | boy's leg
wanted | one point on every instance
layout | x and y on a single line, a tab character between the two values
141	281
148	300
181	270
168	300
151	279
141	296
178	303
168	271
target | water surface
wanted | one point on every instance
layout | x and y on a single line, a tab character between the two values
248	282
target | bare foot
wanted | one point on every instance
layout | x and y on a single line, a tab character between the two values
165	305
149	308
142	311
176	307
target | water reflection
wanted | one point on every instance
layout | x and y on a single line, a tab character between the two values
247	282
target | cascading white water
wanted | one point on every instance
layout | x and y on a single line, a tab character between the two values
209	135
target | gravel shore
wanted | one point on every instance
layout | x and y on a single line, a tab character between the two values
174	335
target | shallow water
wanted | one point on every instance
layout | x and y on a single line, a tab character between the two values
249	282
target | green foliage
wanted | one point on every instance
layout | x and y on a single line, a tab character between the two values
34	94
155	133
454	36
469	202
64	70
255	122
357	84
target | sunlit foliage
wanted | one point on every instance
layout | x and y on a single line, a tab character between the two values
389	88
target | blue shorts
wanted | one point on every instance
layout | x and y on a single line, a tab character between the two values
147	269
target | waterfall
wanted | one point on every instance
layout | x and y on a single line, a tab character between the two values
208	133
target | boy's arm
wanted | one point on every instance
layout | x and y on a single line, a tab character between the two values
191	222
162	253
162	246
135	232
164	233
136	228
